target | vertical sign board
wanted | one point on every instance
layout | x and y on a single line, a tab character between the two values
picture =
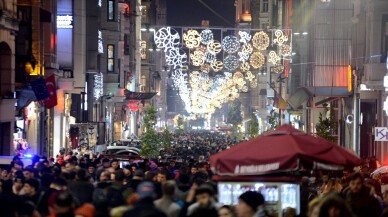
381	134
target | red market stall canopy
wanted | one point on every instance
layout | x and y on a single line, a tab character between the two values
285	149
129	95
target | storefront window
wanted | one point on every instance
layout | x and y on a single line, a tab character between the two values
111	10
110	53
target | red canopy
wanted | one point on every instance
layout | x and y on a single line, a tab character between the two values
282	150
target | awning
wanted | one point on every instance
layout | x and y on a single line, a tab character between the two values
129	95
302	94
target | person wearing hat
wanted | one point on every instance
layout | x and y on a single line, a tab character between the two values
250	204
145	206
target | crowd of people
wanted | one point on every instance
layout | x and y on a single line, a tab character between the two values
88	186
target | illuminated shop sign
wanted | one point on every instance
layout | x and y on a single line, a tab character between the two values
100	44
64	21
98	86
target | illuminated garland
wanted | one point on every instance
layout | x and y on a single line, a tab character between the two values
273	58
197	58
214	47
257	60
230	44
217	65
245	66
245	37
166	38
192	39
260	40
231	62
207	36
280	38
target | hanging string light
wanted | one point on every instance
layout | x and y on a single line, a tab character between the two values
230	44
245	37
260	40
207	36
257	60
273	58
280	38
231	62
192	38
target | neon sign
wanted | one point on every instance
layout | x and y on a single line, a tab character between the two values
65	21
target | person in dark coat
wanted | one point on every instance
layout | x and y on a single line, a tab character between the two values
81	188
145	206
360	199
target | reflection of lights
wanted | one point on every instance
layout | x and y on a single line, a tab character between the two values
273	58
192	39
260	40
280	38
230	44
257	60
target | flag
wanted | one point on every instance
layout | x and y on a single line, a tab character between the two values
40	89
52	89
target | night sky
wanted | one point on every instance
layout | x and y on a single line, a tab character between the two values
192	12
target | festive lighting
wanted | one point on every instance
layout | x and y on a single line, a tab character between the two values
207	36
277	69
176	57
230	44
192	39
245	37
166	38
214	47
209	57
280	38
273	58
253	83
98	86
245	66
260	40
257	60
231	62
197	58
249	76
217	65
285	50
205	68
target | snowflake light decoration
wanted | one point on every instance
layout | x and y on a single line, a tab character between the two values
207	36
273	58
260	40
192	38
249	76
166	38
228	75
205	68
197	58
217	65
243	56
247	48
277	69
244	89
257	60
245	66
245	37
231	62
209	57
280	38
214	47
253	83
285	50
176	57
230	44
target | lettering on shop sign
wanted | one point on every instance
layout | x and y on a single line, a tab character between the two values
64	21
381	134
254	169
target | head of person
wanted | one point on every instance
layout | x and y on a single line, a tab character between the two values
127	170
248	203
356	181
105	163
115	164
104	176
59	184
18	182
385	197
28	173
146	190
334	206
226	211
31	187
91	169
203	195
64	202
168	188
69	166
162	176
313	207
194	170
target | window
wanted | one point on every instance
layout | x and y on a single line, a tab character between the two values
111	10
111	56
265	5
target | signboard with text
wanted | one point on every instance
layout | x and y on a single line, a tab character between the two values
381	134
